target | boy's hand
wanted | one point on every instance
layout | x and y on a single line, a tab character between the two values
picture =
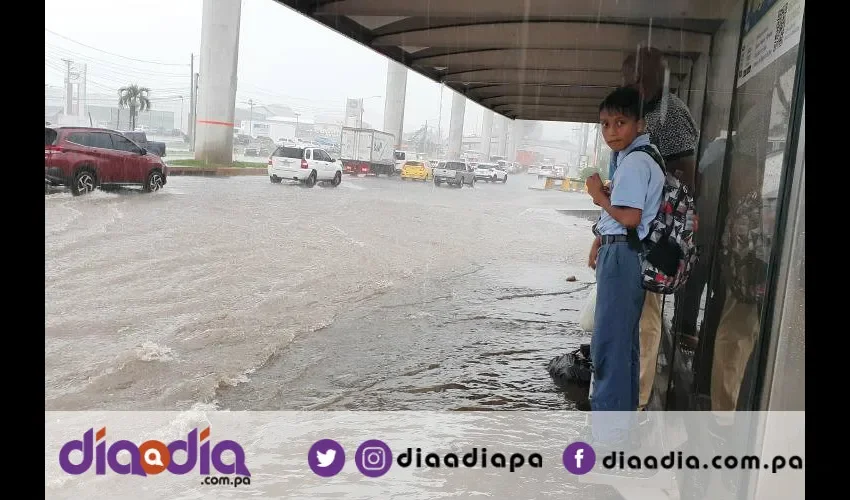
595	188
594	251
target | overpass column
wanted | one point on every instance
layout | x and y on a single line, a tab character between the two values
456	126
516	137
486	134
217	81
394	103
502	136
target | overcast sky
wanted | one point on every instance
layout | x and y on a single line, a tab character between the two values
284	58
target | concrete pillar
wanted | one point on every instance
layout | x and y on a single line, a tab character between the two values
516	137
217	81
456	126
486	134
501	135
394	102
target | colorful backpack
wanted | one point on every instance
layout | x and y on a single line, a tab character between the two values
669	251
745	244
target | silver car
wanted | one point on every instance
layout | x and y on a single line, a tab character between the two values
455	173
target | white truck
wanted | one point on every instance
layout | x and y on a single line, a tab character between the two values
367	151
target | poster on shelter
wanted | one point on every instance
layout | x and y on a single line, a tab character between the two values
772	28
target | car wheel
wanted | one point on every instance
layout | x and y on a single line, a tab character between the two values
311	180
336	180
153	182
495	178
437	182
275	180
84	182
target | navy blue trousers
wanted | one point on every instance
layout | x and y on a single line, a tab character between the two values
615	345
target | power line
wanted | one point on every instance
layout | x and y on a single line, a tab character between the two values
115	65
106	69
112	53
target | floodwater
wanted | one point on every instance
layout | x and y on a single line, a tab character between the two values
236	293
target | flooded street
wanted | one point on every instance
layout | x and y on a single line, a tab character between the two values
235	293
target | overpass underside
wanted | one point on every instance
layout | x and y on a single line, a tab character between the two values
532	59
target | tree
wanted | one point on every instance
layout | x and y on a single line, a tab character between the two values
135	98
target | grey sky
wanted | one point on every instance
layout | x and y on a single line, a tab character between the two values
284	58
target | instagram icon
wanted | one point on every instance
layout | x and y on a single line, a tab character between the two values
373	458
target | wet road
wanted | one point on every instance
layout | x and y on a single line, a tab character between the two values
236	293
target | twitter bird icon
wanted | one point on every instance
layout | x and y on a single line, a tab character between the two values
326	458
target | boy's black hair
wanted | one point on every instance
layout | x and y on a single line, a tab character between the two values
624	100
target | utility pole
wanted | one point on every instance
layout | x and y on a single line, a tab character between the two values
251	119
584	131
423	143
181	114
195	111
596	150
190	128
81	93
68	87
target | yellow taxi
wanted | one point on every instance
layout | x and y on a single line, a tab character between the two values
416	170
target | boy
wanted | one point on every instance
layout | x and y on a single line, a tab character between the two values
671	127
634	199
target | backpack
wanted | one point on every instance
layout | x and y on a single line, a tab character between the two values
745	244
668	252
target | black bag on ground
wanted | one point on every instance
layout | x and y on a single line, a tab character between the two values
571	368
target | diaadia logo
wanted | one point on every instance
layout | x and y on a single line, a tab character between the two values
151	457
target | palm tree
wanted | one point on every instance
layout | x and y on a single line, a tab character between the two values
135	98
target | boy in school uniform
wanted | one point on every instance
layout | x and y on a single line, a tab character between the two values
631	204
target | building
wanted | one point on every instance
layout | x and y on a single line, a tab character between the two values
279	127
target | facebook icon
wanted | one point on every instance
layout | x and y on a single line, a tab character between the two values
579	458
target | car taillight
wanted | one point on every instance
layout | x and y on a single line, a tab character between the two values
270	161
304	164
53	148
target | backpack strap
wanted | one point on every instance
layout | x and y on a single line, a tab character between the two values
631	234
653	152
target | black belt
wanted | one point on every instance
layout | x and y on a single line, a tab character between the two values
614	238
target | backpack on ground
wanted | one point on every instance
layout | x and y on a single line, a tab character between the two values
669	252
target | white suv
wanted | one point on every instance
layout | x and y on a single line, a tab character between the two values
490	172
306	165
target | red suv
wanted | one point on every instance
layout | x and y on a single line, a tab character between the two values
84	158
